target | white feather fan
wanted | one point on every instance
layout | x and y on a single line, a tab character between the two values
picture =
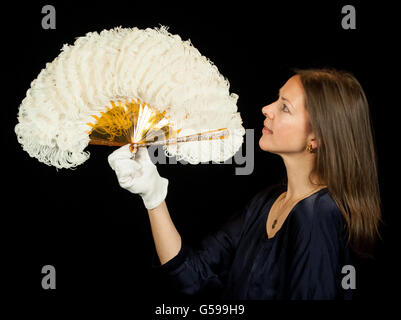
145	69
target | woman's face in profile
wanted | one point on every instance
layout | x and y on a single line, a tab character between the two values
287	128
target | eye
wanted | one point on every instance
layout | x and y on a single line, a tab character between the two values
285	108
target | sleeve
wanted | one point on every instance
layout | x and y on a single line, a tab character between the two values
314	254
192	270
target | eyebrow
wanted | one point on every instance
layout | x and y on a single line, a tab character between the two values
279	94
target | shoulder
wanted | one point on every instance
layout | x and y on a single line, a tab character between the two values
318	214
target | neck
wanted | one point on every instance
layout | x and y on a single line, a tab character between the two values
299	167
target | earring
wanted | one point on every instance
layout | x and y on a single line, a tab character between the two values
309	148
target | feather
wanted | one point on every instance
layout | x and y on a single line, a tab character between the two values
103	80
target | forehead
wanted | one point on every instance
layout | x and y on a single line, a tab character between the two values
293	91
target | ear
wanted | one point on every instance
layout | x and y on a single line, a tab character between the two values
311	139
314	143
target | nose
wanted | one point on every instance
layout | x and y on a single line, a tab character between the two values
268	112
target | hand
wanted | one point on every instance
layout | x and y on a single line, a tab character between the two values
139	175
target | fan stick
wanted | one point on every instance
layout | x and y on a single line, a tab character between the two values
208	135
103	142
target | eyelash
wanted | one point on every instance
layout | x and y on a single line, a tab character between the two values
284	106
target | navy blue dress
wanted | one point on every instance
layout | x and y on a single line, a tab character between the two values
302	261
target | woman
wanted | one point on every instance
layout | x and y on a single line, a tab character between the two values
291	241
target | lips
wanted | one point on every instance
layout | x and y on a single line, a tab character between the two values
267	130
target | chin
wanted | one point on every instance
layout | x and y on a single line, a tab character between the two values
263	146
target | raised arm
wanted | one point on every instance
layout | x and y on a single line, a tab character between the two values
191	269
165	235
140	176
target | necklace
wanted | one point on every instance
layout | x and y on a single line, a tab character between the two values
303	196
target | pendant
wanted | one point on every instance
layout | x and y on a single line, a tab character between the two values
274	223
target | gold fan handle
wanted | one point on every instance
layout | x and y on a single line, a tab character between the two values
133	148
103	142
208	135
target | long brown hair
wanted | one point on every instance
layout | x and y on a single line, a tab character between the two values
346	158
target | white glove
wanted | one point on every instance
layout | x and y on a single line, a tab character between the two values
139	175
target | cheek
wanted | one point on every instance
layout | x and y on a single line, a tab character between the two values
289	135
286	128
290	132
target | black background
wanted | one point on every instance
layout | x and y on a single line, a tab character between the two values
96	234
